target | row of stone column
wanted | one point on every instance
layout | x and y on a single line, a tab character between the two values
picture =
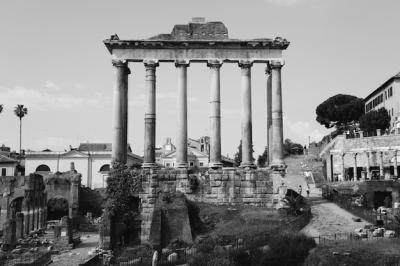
368	166
274	113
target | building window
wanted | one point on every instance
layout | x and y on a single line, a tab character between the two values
3	171
385	95
390	92
392	112
43	168
105	168
191	164
167	164
201	164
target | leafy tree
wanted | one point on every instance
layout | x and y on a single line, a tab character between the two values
20	111
289	147
263	158
375	119
238	155
340	111
122	202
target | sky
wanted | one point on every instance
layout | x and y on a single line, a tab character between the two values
53	61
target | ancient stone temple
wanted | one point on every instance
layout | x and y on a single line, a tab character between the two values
23	206
207	43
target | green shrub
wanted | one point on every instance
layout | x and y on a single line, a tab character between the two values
288	249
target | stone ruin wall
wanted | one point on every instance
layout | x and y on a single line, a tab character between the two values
255	187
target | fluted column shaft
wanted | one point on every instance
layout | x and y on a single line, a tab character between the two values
181	147
277	122
269	114
247	132
215	114
120	112
150	114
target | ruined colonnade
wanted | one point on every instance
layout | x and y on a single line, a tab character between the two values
368	155
198	42
274	113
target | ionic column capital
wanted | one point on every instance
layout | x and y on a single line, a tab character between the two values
268	70
182	63
278	63
245	63
151	63
214	63
121	64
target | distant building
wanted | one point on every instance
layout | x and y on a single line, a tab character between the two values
362	158
92	160
198	154
387	95
8	166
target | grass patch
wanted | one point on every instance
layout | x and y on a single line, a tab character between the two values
284	249
379	252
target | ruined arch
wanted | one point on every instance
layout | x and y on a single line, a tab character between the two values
57	207
43	168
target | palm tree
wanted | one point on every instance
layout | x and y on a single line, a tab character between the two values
20	111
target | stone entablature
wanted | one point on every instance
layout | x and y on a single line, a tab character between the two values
258	51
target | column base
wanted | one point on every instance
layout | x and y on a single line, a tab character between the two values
215	165
149	165
182	165
278	165
248	165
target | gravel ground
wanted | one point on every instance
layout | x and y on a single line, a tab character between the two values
79	254
328	218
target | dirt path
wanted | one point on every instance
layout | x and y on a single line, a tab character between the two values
328	218
79	254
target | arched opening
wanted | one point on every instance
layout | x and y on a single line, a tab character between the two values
105	168
42	168
57	208
105	171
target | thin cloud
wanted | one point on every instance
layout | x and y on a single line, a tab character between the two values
50	97
301	130
286	2
51	85
139	99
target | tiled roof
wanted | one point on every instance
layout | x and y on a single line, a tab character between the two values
94	147
5	159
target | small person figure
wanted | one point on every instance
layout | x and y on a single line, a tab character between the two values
308	192
300	189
